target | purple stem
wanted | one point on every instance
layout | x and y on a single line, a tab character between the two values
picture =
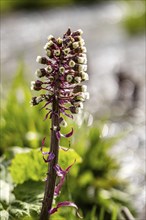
51	174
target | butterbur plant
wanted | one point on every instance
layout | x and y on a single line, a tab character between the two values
63	94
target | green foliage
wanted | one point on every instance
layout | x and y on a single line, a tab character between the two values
93	185
135	24
134	21
27	169
27	202
29	191
21	125
31	166
26	166
22	210
98	177
31	4
66	158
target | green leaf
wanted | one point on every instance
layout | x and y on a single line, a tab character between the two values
29	191
28	166
18	210
1	207
23	129
31	166
67	157
21	210
86	178
101	215
57	217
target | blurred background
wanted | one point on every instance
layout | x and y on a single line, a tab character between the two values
109	135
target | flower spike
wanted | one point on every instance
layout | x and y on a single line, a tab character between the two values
66	69
60	84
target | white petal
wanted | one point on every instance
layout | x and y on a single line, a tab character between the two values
38	59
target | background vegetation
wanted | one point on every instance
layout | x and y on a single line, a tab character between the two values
93	183
133	22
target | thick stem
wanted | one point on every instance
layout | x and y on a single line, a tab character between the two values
51	175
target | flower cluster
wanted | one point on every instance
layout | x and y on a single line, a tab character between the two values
65	70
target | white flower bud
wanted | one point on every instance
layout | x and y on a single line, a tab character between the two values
84	55
33	101
80	88
81	60
81	97
32	82
80	31
75	45
71	40
81	42
84	76
84	49
49	68
66	51
48	52
39	59
59	40
62	70
48	44
78	79
78	104
57	52
71	63
32	85
50	37
84	67
87	95
38	99
84	88
79	38
38	73
69	78
81	105
81	67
